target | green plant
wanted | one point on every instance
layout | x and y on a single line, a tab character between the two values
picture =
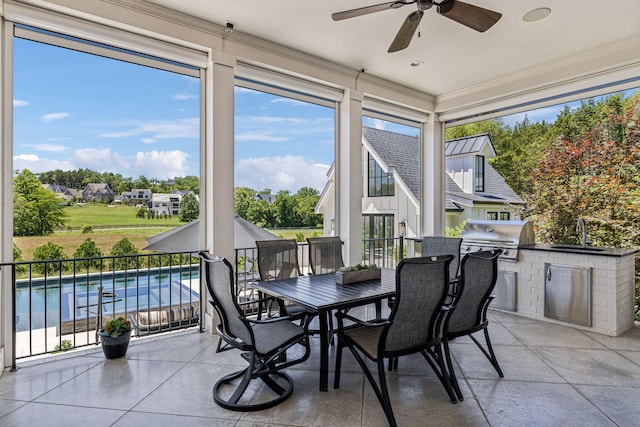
115	327
357	267
64	346
87	228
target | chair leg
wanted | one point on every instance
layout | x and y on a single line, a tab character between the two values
336	378
256	369
384	391
452	373
490	354
436	360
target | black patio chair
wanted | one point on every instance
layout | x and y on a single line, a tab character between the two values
278	259
414	326
263	343
325	254
479	271
440	245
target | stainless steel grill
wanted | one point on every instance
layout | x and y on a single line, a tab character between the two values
478	235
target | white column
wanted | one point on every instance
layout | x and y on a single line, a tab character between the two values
349	176
216	169
6	184
218	159
433	181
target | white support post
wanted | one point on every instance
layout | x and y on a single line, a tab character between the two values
433	180
349	176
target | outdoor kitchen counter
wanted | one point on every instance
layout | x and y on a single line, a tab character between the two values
611	288
577	249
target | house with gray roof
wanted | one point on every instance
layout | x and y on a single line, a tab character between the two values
98	192
391	187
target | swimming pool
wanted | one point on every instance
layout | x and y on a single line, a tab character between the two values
53	301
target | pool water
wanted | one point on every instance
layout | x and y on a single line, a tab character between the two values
39	302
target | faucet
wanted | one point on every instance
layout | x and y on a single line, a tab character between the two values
581	224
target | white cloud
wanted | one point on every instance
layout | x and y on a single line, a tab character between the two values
184	97
260	136
55	148
161	164
289	101
58	138
36	164
47	118
280	173
20	103
99	159
154	131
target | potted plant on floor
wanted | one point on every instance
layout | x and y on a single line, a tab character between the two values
115	337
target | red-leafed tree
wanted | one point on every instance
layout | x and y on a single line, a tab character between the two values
593	173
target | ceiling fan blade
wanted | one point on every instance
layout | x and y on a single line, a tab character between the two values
339	16
406	32
474	17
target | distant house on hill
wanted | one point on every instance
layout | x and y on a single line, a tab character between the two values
391	184
98	193
165	204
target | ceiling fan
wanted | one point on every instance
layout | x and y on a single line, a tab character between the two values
474	17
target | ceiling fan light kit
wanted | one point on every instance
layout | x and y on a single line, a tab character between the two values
471	16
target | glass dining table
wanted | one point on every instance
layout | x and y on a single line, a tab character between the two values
321	294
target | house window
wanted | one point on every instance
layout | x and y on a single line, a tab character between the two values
381	183
479	174
505	216
492	215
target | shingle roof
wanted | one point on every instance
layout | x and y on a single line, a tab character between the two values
403	153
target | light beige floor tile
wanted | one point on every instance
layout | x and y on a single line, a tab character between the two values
55	415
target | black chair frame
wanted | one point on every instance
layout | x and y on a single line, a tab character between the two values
263	365
431	350
481	321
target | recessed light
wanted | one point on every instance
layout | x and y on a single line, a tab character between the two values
536	14
416	63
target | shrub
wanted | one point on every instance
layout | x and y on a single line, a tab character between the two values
49	251
86	229
88	249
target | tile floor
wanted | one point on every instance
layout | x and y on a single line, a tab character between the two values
554	376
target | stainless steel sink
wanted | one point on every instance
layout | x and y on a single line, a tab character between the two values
578	248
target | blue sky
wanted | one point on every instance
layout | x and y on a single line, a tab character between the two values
74	110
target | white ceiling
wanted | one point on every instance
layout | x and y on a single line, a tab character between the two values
579	37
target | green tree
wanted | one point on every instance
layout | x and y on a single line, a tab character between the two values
594	174
188	183
120	250
46	252
305	201
243	199
88	249
283	209
189	208
36	211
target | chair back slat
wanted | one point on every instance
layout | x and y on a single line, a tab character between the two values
325	254
277	259
439	245
479	271
421	289
219	280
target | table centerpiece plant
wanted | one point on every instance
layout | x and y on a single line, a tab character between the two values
357	273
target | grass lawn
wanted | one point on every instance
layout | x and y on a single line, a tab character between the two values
70	240
97	214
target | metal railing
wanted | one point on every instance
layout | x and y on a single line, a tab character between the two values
382	252
60	304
